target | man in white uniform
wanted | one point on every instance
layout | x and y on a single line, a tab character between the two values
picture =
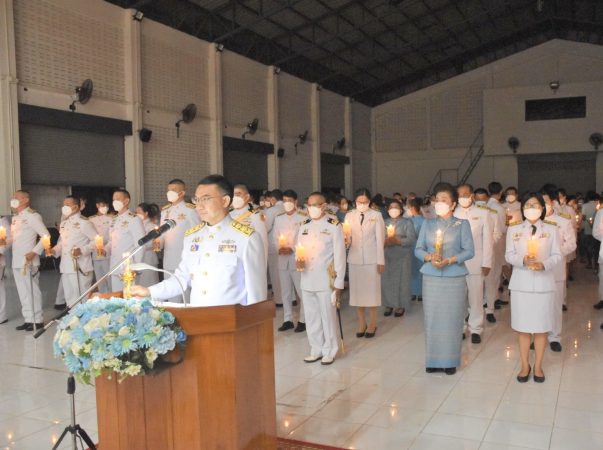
4	247
286	227
567	243
75	248
223	261
598	234
276	200
479	266
125	231
26	226
322	279
102	224
244	212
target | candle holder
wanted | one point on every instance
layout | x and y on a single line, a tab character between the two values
100	245
128	277
532	247
2	236
157	245
439	245
300	258
391	231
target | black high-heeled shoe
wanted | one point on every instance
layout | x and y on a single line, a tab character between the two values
538	379
525	378
370	335
360	334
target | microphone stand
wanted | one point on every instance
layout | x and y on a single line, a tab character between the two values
139	267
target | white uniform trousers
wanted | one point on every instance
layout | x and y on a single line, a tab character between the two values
71	287
475	294
116	284
492	281
555	333
321	323
25	285
60	300
290	280
101	267
3	315
275	278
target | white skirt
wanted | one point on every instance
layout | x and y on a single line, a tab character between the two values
365	285
532	312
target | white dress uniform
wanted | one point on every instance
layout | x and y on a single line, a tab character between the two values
252	218
598	235
26	226
270	214
567	245
513	211
366	252
4	249
76	231
148	278
288	226
480	221
324	245
499	235
533	292
223	264
102	224
186	217
126	229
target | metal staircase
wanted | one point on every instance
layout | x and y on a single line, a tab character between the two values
462	173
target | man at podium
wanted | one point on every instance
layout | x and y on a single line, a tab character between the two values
223	261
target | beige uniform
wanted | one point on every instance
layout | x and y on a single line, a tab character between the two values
3	249
102	224
126	229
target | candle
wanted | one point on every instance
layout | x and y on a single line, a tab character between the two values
46	244
347	229
282	241
391	231
100	245
300	257
128	276
2	236
532	247
439	243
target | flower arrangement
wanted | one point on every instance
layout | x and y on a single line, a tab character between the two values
124	336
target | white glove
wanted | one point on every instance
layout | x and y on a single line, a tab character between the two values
334	298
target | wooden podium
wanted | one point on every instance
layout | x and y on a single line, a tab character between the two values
220	397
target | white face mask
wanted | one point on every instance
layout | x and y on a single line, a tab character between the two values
465	202
238	202
14	203
289	206
362	207
441	208
532	213
511	198
172	196
66	211
394	213
315	212
118	205
479	202
103	209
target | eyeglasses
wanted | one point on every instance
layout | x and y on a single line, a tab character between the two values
204	200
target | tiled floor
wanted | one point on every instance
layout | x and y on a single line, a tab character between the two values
375	397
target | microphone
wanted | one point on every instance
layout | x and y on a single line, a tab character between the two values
156	232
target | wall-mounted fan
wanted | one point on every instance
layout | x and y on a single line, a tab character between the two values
340	144
251	128
188	115
82	94
595	140
513	143
301	139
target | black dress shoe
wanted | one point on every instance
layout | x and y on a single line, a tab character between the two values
564	308
538	379
294	303
450	370
279	305
60	307
431	369
300	328
505	282
23	327
4	321
501	302
419	298
370	335
555	346
413	298
524	379
360	334
399	313
598	305
286	326
31	327
463	336
497	307
490	318
476	338
388	312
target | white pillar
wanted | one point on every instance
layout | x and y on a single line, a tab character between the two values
275	139
10	167
349	146
133	145
215	110
315	111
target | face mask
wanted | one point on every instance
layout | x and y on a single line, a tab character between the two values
172	196
66	211
362	207
532	213
441	208
238	202
479	202
511	198
315	212
141	216
103	209
118	205
394	213
14	203
465	202
289	206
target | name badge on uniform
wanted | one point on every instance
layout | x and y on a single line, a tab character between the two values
76	225
475	218
372	220
228	246
305	232
124	224
516	236
325	231
545	235
181	217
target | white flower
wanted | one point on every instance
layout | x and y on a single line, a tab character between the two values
123	331
155	314
74	322
104	320
75	347
64	338
92	325
151	356
136	309
133	369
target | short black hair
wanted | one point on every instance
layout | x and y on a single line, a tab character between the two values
177	181
123	191
591	196
538	197
290	193
74	197
511	188
362	192
480	191
416	203
562	191
495	188
393	201
241	186
101	199
551	191
466	185
446	187
152	209
219	180
324	199
277	194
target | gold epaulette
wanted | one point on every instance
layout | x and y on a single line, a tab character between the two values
189	205
550	222
131	214
194	229
512	224
564	215
302	213
376	208
333	221
166	206
242	228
